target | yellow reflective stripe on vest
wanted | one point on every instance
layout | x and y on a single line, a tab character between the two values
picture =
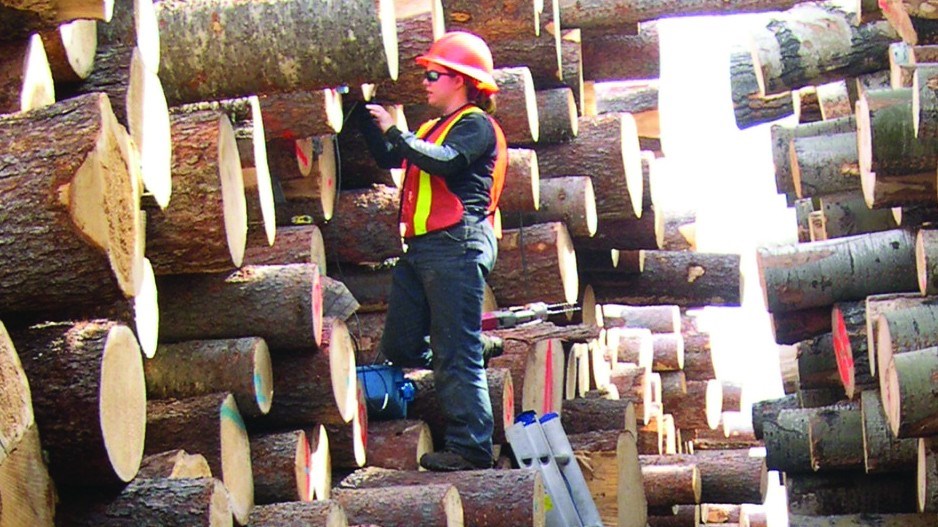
425	191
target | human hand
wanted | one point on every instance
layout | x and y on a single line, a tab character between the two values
381	116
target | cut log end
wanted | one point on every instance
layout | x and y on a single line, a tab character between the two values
236	461
123	402
37	88
149	126
147	312
714	403
80	41
265	192
566	256
343	370
865	149
320	465
147	34
388	23
232	187
632	161
925	240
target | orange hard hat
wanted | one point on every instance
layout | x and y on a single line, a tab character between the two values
464	53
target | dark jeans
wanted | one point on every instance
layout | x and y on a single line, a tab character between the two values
436	301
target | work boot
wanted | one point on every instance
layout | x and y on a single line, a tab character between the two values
491	347
447	461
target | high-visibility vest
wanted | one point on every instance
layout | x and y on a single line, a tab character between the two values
427	204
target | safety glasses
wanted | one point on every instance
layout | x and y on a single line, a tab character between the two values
433	76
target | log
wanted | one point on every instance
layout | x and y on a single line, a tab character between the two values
927	475
370	285
98	363
348	442
686	516
398	444
850	347
358	45
786	441
254	301
690	410
616	55
634	345
882	452
583	415
675	229
89	246
493	21
671	484
877	305
861	520
768	411
325	513
196	502
17	412
280	463
426	406
519	494
907	393
27	76
616	171
208	205
301	244
301	114
807	105
188	369
337	301
720	513
825	164
901	331
749	106
817	226
314	387
850	268
569	200
308	176
517	105
843	49
788	364
557	114
782	137
834	99
28	493
675	278
529	357
174	464
892	160
639	98
20	19
846	214
634	234
698	361
835	435
537	263
541	54
657	319
419	24
373	215
427	505
212	426
850	493
521	192
571	67
729	476
586	14
817	363
650	437
70	50
926	254
667	352
924	102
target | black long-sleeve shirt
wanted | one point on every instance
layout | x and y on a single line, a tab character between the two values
465	160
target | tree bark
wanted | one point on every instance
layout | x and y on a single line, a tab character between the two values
825	164
594	13
690	409
782	136
908	393
850	347
70	49
337	301
27	76
301	114
327	513
862	520
398	444
26	490
583	415
791	52
807	105
358	43
900	331
849	269
569	200
817	363
557	115
528	358
670	485
686	516
541	54
280	463
20	19
925	102
281	304
188	369
836	438
725	513
667	352
518	494
768	411
521	192
607	149
196	502
657	319
87	250
926	256
675	278
301	244
729	476
517	105
882	451
174	464
99	365
850	493
419	24
372	215
698	361
632	345
204	228
210	425
612	56
877	305
786	441
493	21
426	405
846	214
535	264
794	326
834	99
427	505
626	235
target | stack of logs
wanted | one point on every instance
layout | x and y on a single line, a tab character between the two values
851	303
176	341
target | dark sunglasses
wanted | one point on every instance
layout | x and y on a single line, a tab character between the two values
433	76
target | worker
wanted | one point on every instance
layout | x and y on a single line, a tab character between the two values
454	170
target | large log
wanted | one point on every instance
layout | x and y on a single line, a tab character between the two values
861	520
70	49
326	513
597	13
836	438
786	441
817	363
606	148
617	55
280	463
882	451
535	263
657	319
312	387
677	516
20	19
877	305
850	493
690	409
893	162
749	106
698	360
358	44
212	426
822	273
569	200
372	214
419	24
557	112
585	415
490	498
27	76
669	485
841	49
924	102
675	278
301	114
900	331
848	320
281	304
300	244
541	54
517	105
199	502
728	476
420	506
634	345
494	21
398	444
187	369
98	440
782	136
87	251
530	358
522	183
825	164
426	405
768	410
667	352
908	393
846	214
174	464
625	235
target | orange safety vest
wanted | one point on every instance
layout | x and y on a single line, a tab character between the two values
427	204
